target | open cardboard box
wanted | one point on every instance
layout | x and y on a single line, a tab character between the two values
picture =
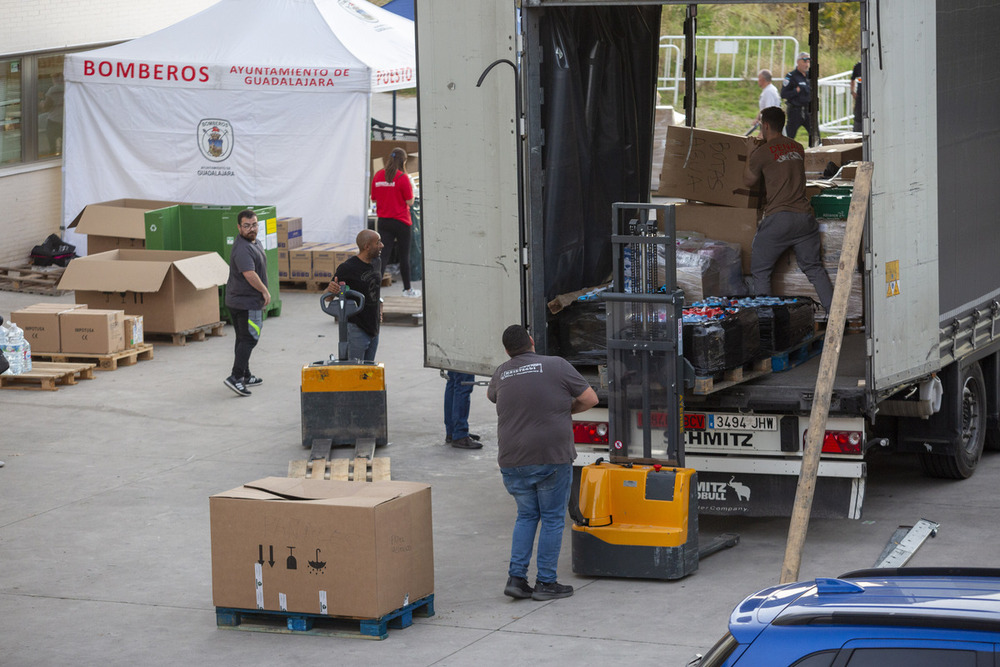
173	290
120	223
358	549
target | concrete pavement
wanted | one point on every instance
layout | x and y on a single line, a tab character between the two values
104	532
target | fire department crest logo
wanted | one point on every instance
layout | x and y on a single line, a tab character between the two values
357	10
215	139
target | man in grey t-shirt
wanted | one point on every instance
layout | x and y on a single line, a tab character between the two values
246	297
535	397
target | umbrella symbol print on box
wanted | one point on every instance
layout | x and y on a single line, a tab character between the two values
316	566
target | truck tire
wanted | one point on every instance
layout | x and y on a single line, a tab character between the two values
968	447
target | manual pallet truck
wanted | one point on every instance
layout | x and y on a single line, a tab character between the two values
638	516
343	400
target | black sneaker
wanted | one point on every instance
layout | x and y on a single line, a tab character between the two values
236	385
518	588
466	443
551	591
252	381
474	436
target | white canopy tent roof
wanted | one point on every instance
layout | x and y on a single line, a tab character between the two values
248	102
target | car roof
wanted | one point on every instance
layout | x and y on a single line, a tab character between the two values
967	599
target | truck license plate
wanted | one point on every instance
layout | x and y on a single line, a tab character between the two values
741	422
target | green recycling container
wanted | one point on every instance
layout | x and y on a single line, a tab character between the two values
207	228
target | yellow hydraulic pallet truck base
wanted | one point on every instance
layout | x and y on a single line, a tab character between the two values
343	400
640	521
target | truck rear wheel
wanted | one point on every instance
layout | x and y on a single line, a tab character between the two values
968	447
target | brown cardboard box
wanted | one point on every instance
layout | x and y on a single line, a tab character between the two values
381	149
173	290
324	261
283	273
343	252
842	138
300	262
705	166
722	223
92	331
817	157
41	328
133	331
289	233
120	223
339	548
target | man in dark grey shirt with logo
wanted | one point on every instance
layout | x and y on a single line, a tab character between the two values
535	397
246	298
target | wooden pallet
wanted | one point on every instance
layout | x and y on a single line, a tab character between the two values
31	279
182	337
711	383
315	286
105	362
375	470
798	355
48	376
318	624
402	310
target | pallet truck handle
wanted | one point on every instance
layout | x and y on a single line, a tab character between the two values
340	307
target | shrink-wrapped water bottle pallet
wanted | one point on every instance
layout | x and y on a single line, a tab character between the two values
48	376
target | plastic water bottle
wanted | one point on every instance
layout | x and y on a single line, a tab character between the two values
13	349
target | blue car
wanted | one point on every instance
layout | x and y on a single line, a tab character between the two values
905	617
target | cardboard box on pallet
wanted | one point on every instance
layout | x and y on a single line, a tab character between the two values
322	547
92	331
324	261
289	233
40	323
133	331
283	273
120	223
818	157
173	290
300	262
706	166
722	223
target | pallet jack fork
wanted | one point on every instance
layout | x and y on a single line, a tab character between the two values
639	515
343	400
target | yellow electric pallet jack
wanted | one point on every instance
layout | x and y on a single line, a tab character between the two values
638	516
343	400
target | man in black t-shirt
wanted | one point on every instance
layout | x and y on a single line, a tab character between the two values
362	273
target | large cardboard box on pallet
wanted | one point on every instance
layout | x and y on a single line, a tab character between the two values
706	166
722	223
289	233
120	223
92	331
173	290
358	549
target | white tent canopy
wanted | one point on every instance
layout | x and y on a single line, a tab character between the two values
248	102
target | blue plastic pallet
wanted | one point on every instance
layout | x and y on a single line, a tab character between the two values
257	620
798	355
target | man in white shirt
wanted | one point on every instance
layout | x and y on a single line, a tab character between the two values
769	96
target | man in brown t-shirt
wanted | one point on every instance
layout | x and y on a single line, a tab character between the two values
788	220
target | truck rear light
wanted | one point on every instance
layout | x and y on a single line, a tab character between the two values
839	442
590	433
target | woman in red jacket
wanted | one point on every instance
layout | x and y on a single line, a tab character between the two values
392	193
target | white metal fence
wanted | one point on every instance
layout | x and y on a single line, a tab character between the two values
740	57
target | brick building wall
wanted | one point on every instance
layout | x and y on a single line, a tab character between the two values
31	194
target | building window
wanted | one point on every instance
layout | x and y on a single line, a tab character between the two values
32	95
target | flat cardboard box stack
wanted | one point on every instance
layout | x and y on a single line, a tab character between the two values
40	323
173	291
352	549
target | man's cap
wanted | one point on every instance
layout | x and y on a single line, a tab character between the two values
803	55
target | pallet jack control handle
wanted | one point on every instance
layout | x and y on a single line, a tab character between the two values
340	307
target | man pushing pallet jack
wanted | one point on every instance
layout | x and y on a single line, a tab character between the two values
343	400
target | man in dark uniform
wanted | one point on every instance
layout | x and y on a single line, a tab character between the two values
856	94
788	220
246	297
795	91
363	273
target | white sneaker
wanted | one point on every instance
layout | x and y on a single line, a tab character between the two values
412	293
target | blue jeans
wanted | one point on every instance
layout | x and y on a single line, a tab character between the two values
360	345
542	494
457	397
